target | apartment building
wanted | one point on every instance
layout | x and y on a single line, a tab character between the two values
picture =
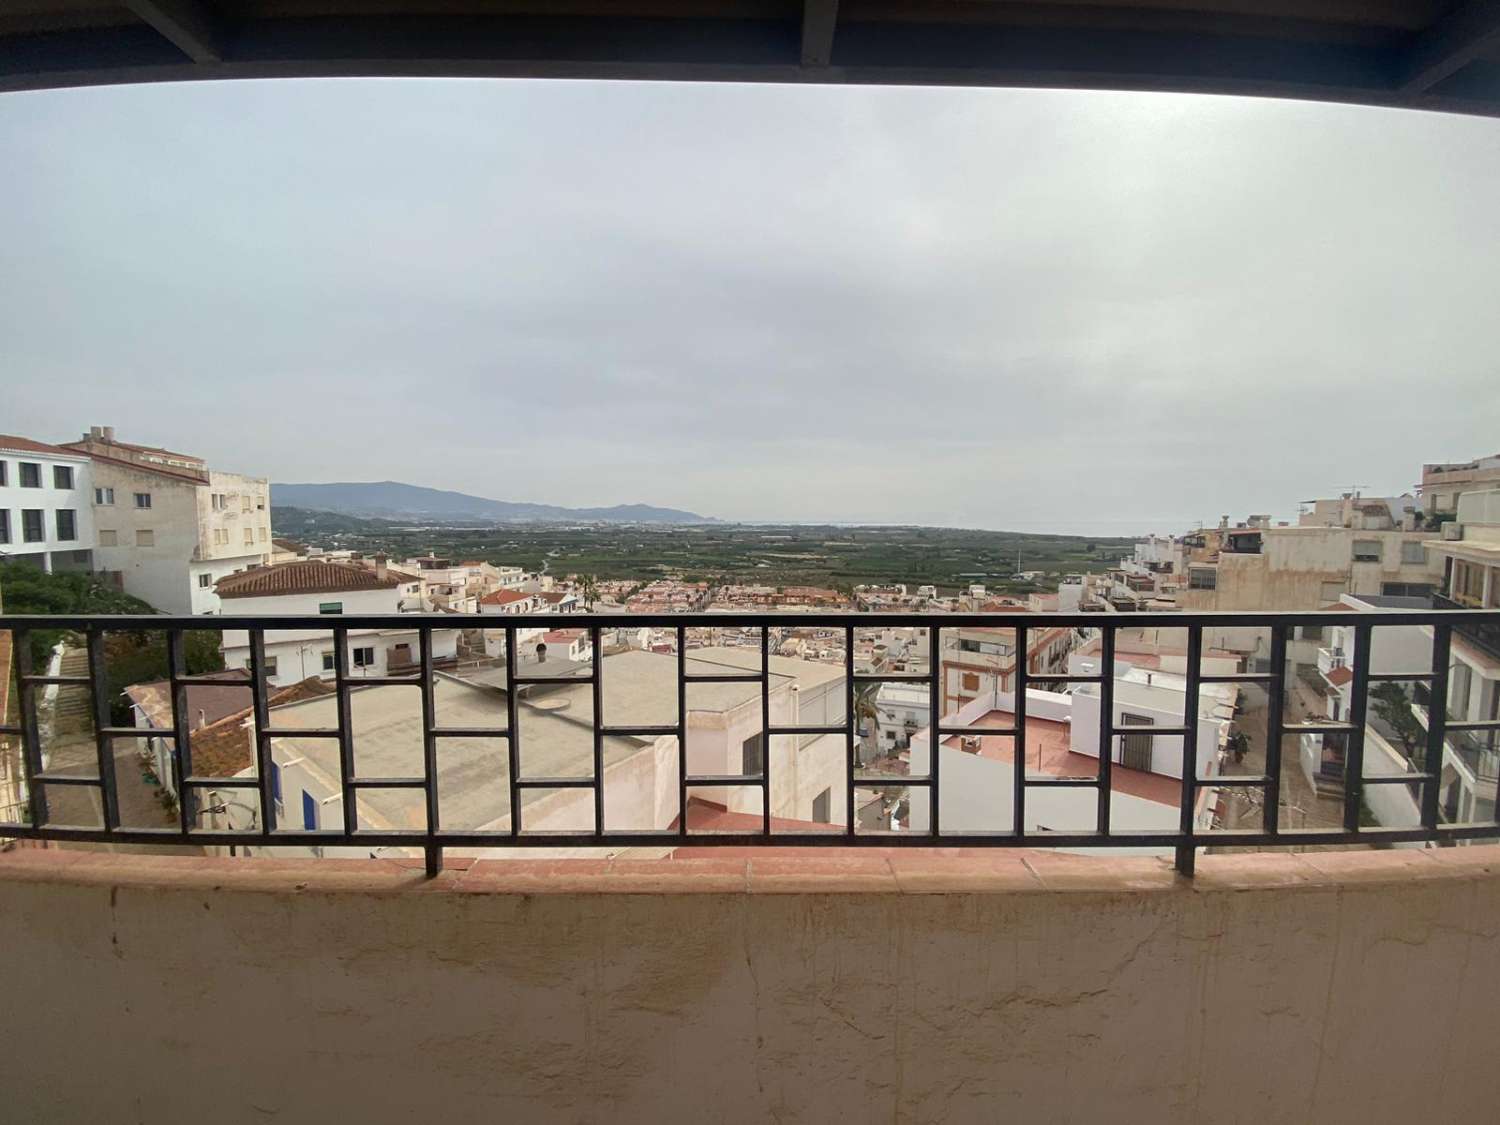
168	527
1062	741
1470	554
330	589
1350	545
978	662
46	516
1442	485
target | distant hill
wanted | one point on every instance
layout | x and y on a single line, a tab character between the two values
393	500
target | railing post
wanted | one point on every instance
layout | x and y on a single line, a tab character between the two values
1275	719
99	691
1354	749
31	738
432	850
1437	722
1187	851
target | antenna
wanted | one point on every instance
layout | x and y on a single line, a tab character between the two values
1354	490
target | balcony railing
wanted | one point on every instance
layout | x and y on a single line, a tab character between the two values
1483	634
431	835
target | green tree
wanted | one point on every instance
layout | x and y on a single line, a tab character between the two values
1393	707
129	657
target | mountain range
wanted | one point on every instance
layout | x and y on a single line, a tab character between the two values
394	500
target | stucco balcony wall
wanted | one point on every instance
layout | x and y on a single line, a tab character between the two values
1033	987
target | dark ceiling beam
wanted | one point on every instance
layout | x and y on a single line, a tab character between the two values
734	50
191	26
1450	45
819	20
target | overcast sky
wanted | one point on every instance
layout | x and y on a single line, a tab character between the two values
1004	309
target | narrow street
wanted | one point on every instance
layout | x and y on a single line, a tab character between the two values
1300	805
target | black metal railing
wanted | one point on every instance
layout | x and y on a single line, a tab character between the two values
588	727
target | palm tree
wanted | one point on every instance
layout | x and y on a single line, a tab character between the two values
865	710
590	590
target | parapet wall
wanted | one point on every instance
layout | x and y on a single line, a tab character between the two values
1335	988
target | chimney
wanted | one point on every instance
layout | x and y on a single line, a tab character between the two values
202	718
109	433
380	571
94	432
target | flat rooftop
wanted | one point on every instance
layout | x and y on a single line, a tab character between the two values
1049	754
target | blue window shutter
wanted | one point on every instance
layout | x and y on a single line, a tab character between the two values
309	812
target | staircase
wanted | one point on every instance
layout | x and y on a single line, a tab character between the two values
73	707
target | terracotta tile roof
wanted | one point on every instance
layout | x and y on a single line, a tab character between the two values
503	597
214	702
223	749
562	636
1339	676
288	545
552	597
26	445
302	578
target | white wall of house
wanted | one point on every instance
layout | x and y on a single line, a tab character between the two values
1163	706
977	794
300	653
54	551
161	550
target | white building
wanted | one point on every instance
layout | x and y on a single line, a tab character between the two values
168	527
330	589
977	793
640	779
46	514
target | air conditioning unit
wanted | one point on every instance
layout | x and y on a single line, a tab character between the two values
1453	530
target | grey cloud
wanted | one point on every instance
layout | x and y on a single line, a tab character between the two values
996	308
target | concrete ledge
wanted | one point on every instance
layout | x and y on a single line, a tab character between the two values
924	985
885	871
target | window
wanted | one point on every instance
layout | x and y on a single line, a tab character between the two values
1203	578
109	539
364	657
1413	552
31	474
269	664
32	528
143	499
260	503
2	473
263	535
218	501
205	581
1331	591
330	607
146	538
62	476
67	525
245	502
1367	550
4	525
752	756
822	810
1406	589
104	496
249	536
328	661
971	681
276	782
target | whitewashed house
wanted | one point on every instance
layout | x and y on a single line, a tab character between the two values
330	589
